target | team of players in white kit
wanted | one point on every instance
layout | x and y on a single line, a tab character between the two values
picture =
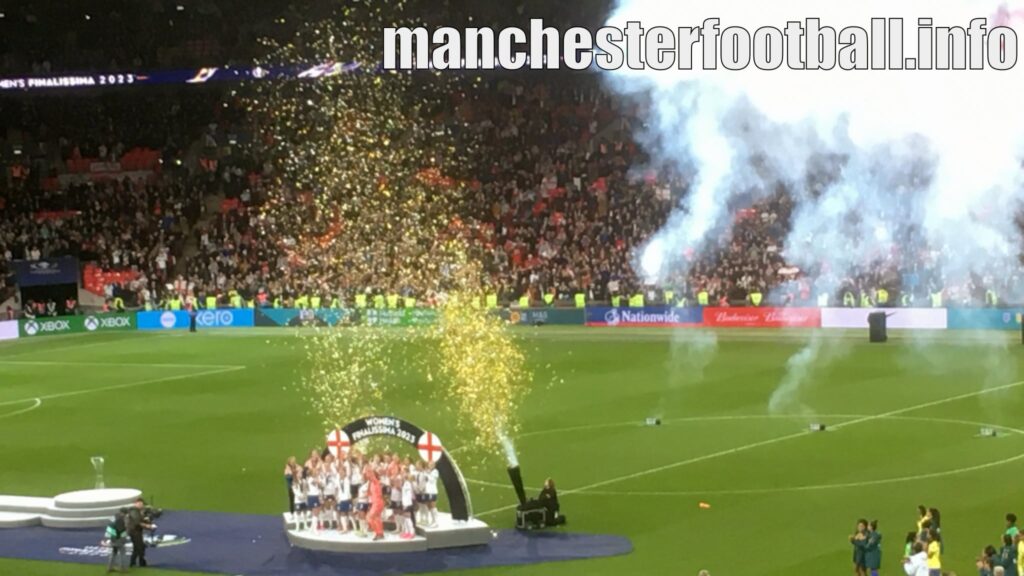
331	493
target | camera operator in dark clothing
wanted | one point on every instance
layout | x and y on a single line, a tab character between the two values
549	498
137	522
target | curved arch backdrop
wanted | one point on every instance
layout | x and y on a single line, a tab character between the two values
451	476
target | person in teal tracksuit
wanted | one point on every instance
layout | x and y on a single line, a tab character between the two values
873	549
1008	556
859	539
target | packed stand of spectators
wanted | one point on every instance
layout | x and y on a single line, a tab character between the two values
562	207
565	196
119	221
117	225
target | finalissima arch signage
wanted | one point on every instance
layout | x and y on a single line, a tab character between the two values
451	477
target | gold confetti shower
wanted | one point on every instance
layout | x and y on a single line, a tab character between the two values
348	372
485	371
482	363
367	199
370	167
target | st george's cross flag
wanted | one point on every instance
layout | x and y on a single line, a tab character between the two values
338	443
429	447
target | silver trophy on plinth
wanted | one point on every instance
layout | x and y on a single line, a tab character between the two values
97	465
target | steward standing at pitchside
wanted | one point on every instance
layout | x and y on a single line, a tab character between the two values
136	524
192	309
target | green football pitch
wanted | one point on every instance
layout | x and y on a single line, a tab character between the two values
205	422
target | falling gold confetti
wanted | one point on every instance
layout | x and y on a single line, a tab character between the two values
367	196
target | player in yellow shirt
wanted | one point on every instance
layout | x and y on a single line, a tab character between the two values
934	554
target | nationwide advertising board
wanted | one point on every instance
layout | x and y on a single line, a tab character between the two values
179	319
303	317
8	329
762	317
535	316
899	318
398	316
662	316
50	326
985	319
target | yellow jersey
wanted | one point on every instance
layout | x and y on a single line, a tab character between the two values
933	555
1020	552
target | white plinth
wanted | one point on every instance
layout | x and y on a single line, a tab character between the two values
25	504
18	519
81	509
447	533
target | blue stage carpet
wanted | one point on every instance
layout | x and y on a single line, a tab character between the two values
256	546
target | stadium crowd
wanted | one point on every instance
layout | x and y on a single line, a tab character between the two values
563	195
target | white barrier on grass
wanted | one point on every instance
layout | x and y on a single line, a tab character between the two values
899	318
8	329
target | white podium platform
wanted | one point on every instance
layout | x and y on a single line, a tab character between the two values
80	509
447	533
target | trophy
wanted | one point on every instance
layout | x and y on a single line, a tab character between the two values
97	465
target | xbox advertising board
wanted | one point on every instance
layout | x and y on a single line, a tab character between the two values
51	326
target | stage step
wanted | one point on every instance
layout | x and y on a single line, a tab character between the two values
83	512
448	533
89	522
332	541
105	498
26	504
18	519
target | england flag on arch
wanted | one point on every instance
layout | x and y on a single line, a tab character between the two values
338	443
429	447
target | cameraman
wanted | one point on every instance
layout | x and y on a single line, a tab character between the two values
137	522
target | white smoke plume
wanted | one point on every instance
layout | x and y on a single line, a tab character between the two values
690	352
819	352
510	450
928	161
742	134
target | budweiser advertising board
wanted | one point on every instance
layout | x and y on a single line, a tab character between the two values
762	317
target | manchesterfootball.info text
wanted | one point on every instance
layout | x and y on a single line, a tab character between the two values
881	44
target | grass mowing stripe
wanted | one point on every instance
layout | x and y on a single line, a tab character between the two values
127	385
769	442
35	346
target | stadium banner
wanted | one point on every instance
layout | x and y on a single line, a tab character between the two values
179	319
75	324
534	316
398	316
29	273
763	317
8	329
985	319
303	317
661	316
900	318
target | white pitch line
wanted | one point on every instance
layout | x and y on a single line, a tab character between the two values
37	402
131	364
128	385
34	350
768	442
929	404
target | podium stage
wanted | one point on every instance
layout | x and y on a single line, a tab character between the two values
447	533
